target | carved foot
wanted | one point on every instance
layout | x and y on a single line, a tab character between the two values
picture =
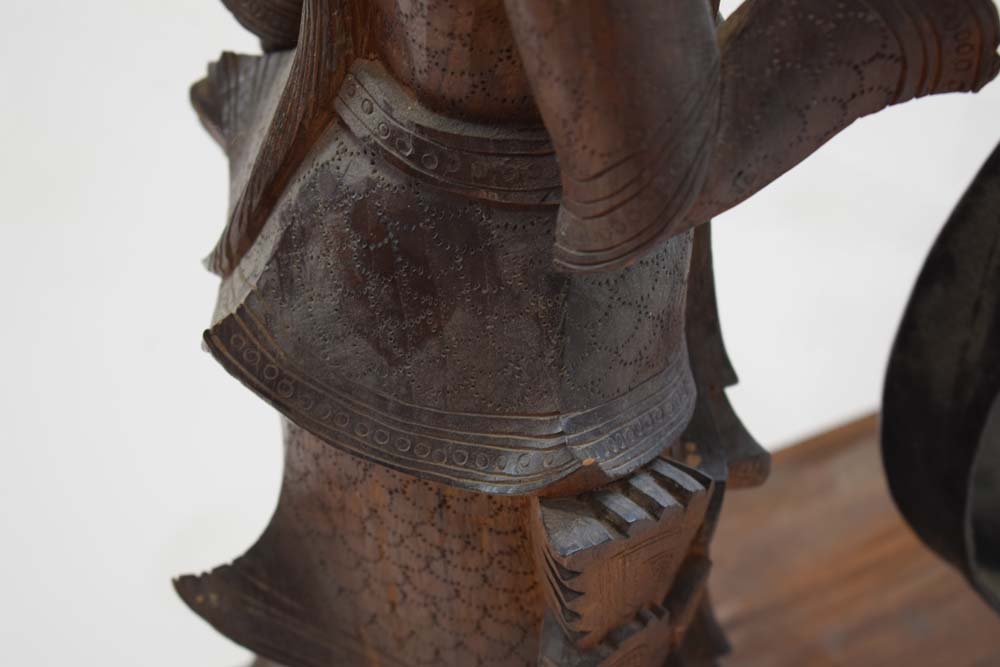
622	581
647	639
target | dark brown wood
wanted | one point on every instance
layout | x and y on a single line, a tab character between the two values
818	568
659	130
785	600
362	565
828	64
613	553
941	431
715	441
404	307
328	38
458	58
629	92
460	260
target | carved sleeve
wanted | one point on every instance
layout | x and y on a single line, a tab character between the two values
796	72
304	109
649	147
629	93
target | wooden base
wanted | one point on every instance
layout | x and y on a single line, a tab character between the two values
817	568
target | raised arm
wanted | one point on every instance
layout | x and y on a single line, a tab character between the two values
655	137
795	73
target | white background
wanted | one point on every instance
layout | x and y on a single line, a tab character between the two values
129	456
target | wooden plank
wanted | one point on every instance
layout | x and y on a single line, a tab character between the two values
817	568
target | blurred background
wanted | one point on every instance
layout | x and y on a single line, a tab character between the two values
129	456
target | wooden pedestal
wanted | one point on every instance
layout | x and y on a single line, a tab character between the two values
817	568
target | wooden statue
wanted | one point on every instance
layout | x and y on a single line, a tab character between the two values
468	260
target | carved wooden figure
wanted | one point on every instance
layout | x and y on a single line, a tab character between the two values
468	260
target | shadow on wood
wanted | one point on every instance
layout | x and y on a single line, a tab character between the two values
817	568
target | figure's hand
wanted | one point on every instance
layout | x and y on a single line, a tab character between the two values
796	72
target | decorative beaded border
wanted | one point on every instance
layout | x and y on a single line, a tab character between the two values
489	453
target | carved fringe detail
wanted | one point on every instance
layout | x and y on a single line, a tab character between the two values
612	560
305	109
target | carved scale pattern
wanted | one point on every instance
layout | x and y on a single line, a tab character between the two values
373	272
362	565
459	58
828	64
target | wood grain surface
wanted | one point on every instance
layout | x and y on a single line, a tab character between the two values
817	568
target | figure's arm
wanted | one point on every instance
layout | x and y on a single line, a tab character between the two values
797	72
629	93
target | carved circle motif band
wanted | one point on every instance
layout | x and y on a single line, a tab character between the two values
491	453
513	166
